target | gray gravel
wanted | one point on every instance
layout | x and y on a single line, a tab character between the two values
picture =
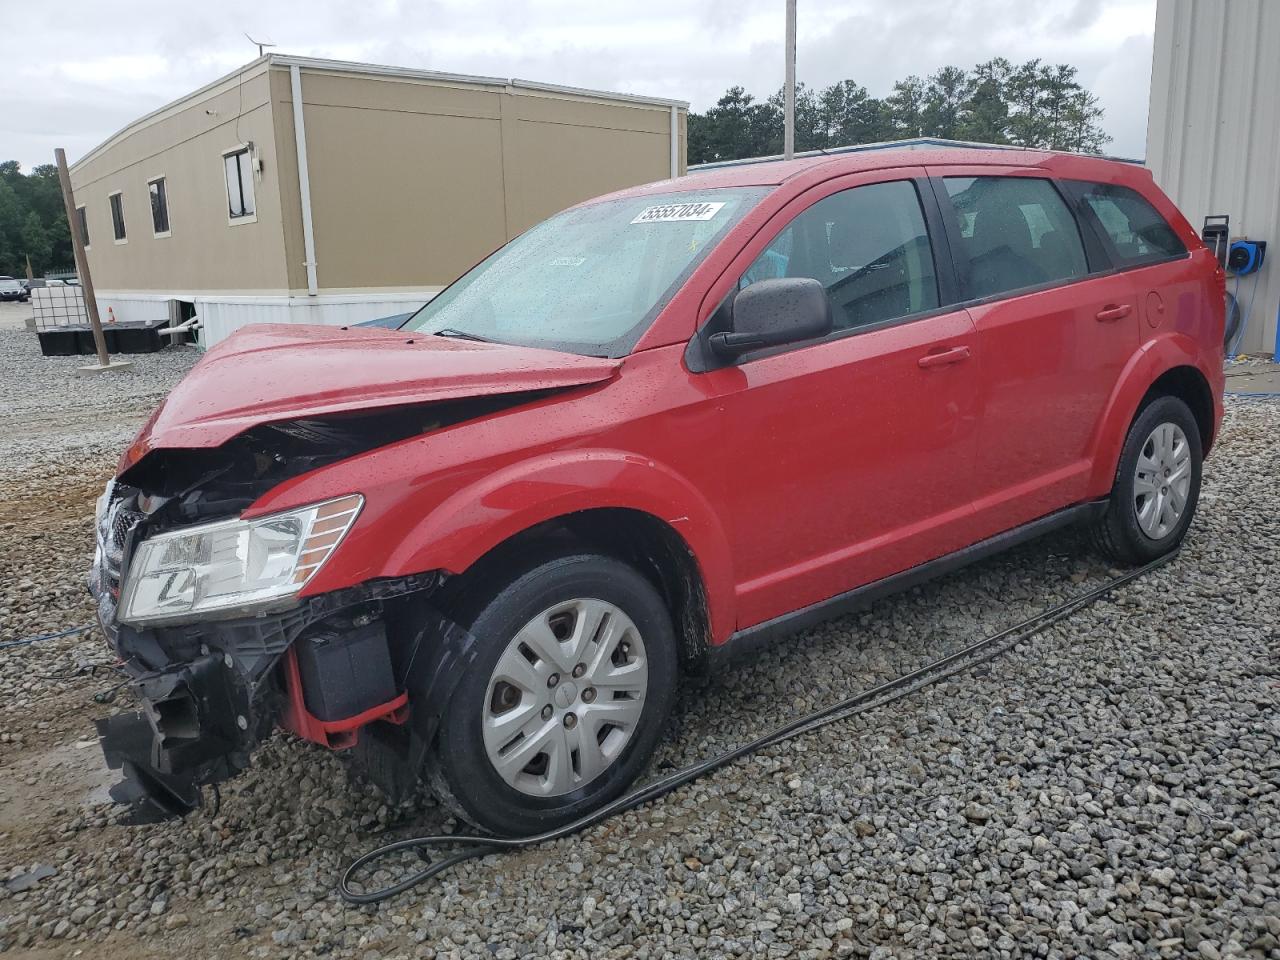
1109	789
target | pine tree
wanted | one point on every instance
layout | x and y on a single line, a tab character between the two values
946	103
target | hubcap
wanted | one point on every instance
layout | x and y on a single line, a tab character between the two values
1162	481
565	697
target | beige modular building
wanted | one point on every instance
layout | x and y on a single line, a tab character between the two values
315	191
1213	137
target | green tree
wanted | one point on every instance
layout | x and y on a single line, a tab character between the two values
946	103
737	126
1030	104
811	128
32	220
850	115
36	243
906	108
987	112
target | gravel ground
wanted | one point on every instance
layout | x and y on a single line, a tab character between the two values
1107	789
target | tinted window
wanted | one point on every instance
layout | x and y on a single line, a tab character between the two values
239	170
867	246
1138	233
117	215
159	206
1015	232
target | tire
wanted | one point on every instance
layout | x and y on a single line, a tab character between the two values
565	595
1134	529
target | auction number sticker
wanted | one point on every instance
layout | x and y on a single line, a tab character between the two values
677	212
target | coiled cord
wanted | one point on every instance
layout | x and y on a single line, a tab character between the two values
473	847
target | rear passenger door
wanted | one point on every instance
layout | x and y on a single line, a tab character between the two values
1054	331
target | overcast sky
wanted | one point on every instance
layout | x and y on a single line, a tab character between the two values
106	63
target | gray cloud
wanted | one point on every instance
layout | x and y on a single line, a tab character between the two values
132	57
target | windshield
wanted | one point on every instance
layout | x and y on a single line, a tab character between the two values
589	280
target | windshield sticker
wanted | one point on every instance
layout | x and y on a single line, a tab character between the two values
568	261
678	212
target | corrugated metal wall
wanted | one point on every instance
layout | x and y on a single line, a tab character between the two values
1213	137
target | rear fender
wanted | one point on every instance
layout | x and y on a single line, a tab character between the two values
1151	361
479	517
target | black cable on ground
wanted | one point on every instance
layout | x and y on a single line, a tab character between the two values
26	641
970	656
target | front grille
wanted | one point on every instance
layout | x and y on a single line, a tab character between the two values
118	521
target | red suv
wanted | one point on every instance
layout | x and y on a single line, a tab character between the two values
653	432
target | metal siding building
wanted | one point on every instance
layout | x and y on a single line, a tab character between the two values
1213	137
395	182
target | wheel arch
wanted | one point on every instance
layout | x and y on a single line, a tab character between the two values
632	507
1169	366
643	541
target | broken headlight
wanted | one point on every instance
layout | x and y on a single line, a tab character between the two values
233	565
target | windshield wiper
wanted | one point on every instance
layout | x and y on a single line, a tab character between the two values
460	335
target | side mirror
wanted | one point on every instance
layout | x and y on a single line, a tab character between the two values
773	312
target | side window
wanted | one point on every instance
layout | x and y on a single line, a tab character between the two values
1138	233
1015	232
867	246
238	167
117	216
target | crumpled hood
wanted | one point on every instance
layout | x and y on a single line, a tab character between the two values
275	372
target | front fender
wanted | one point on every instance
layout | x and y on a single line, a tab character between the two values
415	533
1153	359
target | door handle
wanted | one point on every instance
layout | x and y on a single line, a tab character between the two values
944	357
1114	312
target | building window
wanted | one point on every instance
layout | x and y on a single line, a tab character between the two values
117	216
238	165
82	221
159	207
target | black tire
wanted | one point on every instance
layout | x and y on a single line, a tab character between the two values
459	770
1118	533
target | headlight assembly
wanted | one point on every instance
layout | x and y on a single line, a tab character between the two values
233	566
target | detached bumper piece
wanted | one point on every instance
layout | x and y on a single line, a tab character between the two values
195	728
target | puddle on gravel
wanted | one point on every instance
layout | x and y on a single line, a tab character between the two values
37	781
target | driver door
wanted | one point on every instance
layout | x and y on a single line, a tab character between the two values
850	458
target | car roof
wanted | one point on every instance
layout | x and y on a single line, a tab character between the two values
773	172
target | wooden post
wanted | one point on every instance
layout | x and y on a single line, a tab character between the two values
30	275
82	261
789	87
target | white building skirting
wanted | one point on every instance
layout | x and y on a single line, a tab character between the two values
221	315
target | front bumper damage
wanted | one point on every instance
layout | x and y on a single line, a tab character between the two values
340	669
190	731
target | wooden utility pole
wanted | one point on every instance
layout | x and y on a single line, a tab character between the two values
82	261
789	87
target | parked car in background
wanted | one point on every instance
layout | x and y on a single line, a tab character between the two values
11	289
648	435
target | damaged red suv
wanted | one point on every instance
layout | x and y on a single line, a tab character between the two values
653	432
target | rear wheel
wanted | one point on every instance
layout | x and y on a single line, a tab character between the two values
566	699
1157	484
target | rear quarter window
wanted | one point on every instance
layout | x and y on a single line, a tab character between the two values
1137	232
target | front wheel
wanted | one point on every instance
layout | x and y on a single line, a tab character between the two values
1157	484
566	699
